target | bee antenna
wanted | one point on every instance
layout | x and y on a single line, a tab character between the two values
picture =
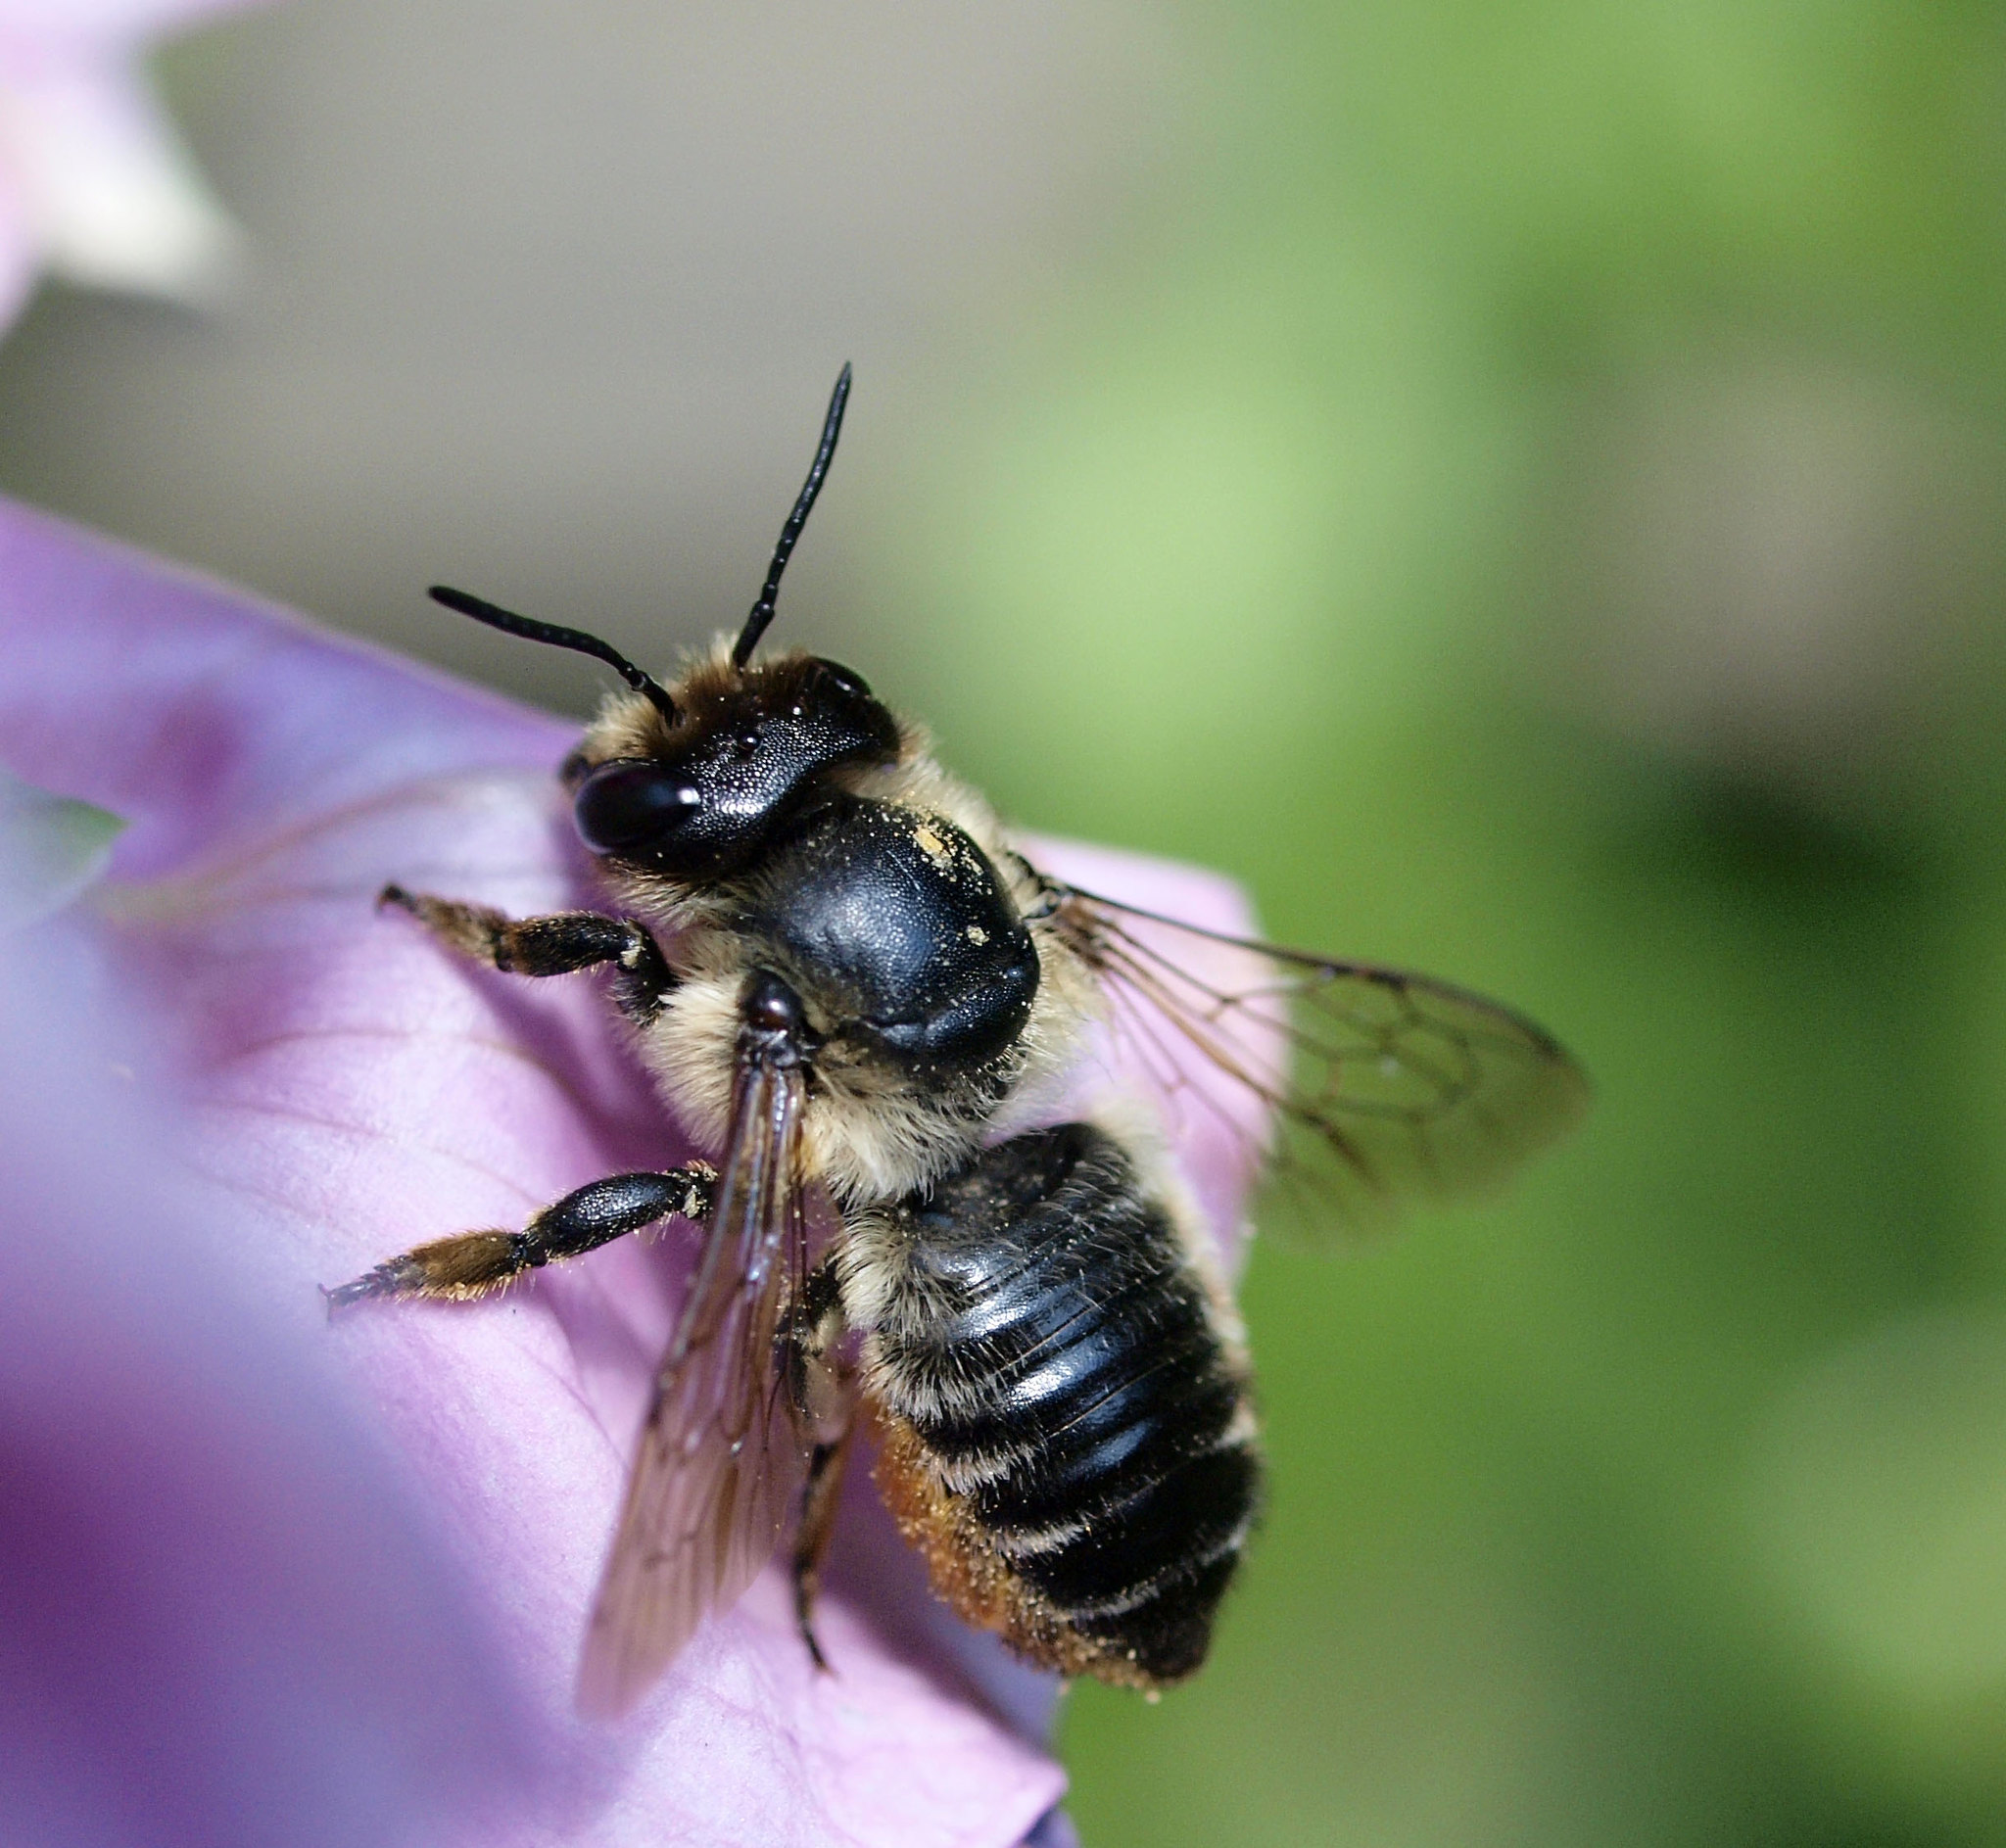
762	611
557	636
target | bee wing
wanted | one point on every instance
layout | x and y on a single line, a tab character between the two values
721	1455
1383	1087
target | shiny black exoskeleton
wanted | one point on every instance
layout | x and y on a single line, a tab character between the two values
1049	1339
898	924
733	771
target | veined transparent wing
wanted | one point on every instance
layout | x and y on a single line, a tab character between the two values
721	1456
1379	1087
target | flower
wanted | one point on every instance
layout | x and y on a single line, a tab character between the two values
95	186
341	1089
220	1617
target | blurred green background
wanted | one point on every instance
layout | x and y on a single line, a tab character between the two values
1518	484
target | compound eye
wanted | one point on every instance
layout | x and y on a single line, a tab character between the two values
632	806
843	678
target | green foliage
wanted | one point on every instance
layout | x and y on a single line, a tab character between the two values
1660	1503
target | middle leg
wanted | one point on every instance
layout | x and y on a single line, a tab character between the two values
824	1388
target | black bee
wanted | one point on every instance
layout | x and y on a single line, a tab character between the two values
852	988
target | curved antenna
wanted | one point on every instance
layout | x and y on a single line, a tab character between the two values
577	640
762	611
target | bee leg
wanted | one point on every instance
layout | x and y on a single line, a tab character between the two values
557	945
826	1394
476	1262
819	1501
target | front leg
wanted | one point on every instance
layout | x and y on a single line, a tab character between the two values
475	1262
557	945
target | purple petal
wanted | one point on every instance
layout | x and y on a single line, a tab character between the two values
108	22
355	1091
95	185
219	1617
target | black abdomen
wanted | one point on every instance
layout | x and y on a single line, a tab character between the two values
1048	1343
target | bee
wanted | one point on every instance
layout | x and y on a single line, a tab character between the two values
851	985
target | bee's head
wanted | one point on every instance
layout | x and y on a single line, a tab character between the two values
694	782
748	748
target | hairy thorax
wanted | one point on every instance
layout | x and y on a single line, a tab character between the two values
942	994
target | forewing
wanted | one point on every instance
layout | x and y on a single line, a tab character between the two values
1382	1087
720	1456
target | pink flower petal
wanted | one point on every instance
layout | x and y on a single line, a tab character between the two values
95	185
219	1619
110	198
109	22
356	1091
